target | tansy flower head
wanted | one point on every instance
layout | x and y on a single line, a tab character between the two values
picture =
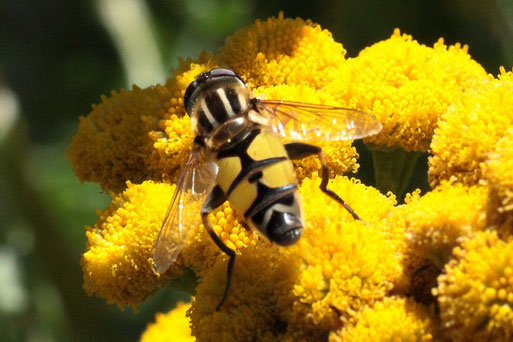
392	320
408	86
261	272
437	221
136	135
283	51
498	171
475	292
173	326
470	130
118	262
346	263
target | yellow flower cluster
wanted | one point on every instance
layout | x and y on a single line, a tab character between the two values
339	266
346	263
408	86
284	51
392	320
345	279
173	326
498	171
470	130
118	264
476	290
436	221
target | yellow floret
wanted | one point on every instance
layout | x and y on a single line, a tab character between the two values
136	135
498	171
470	130
173	326
112	142
346	263
392	320
118	262
283	51
408	86
261	273
437	221
475	292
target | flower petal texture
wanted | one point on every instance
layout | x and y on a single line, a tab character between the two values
394	319
475	292
173	326
470	130
408	86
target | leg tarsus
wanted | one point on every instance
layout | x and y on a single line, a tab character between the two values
214	200
297	150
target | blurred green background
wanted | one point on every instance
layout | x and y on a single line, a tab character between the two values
58	57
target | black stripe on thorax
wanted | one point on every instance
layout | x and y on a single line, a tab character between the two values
233	98
216	107
203	121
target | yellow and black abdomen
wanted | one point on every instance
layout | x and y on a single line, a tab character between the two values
259	180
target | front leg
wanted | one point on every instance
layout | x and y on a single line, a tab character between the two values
214	200
297	150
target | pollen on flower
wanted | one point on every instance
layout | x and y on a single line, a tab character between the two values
118	262
173	326
346	263
261	281
393	319
408	86
475	292
437	221
470	130
136	135
283	51
498	171
112	141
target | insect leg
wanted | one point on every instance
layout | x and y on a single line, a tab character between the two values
214	200
297	150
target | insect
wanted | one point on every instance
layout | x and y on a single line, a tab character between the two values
238	156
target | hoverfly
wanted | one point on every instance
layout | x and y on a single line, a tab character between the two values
238	156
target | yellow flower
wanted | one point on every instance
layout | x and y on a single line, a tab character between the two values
111	142
173	326
346	263
338	266
475	292
290	59
283	51
118	262
408	86
136	135
470	130
437	221
498	171
262	272
392	320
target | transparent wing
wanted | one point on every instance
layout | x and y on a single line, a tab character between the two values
303	121
196	180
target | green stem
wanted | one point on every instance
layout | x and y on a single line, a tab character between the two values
393	169
186	283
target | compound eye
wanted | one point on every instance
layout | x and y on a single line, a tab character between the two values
188	93
221	72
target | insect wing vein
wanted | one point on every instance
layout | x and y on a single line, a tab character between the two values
183	214
303	121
